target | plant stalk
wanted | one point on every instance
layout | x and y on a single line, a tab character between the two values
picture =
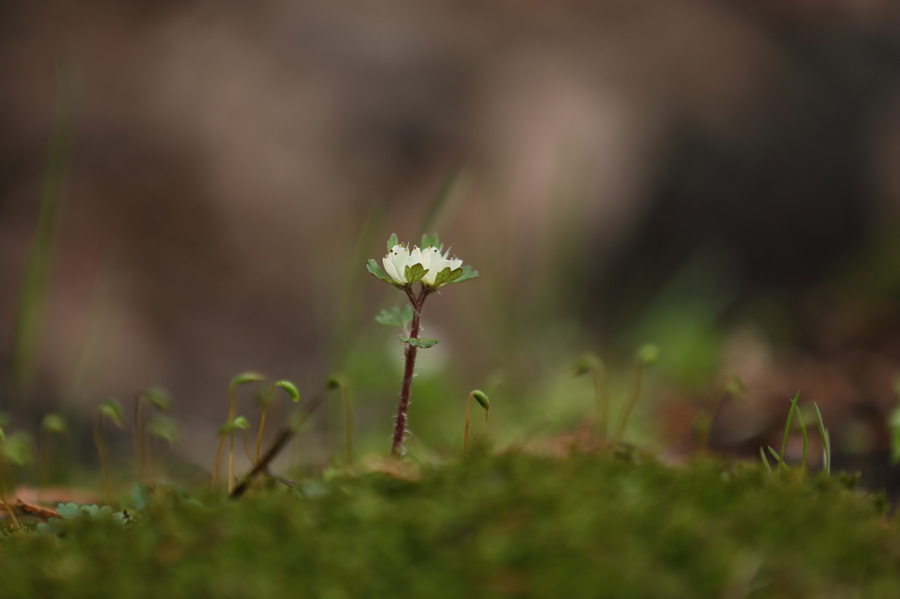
231	464
400	424
638	372
466	434
100	443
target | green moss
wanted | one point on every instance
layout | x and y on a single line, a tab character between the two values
587	526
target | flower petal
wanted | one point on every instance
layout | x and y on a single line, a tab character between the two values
391	270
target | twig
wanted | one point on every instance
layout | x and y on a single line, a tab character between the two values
286	434
35	510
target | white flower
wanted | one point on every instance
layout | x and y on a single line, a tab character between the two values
396	261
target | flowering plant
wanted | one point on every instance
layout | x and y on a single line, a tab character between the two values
431	267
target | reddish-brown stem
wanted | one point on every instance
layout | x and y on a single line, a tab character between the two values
400	424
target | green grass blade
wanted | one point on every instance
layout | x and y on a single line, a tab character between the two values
762	454
805	439
823	434
787	428
775	454
32	296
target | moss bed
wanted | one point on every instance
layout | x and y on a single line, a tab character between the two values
503	526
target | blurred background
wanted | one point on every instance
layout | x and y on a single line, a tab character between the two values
208	179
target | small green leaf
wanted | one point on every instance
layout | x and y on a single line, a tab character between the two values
112	409
447	276
430	241
246	377
238	423
735	386
419	342
648	354
165	428
334	382
67	511
55	424
586	364
483	400
467	273
414	273
159	398
392	241
775	454
17	448
396	317
289	388
379	274
140	495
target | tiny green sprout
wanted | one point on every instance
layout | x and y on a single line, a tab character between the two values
108	409
593	365
645	356
340	382
15	449
52	425
161	400
286	386
734	386
163	428
648	354
894	424
431	267
239	423
826	441
485	403
241	379
787	430
765	461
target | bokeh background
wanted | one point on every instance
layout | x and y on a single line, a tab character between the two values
721	178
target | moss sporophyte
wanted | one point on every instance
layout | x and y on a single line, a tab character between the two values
403	268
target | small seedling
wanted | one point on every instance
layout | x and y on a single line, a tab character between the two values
164	428
590	363
779	456
826	441
241	379
646	356
15	449
52	425
339	382
289	388
485	403
228	430
109	409
731	386
403	269
162	401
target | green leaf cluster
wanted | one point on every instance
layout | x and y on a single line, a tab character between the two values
18	448
111	408
55	424
238	423
396	317
73	512
419	342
